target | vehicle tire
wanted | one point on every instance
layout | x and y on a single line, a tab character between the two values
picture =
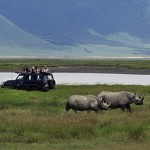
2	86
28	88
33	88
46	89
52	85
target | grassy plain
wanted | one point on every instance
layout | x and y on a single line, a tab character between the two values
37	120
17	64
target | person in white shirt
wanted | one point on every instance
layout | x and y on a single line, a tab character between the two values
45	69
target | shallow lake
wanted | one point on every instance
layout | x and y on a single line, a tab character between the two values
90	78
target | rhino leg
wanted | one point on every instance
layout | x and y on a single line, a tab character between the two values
88	111
122	108
75	110
128	108
96	109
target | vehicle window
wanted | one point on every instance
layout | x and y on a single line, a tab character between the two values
29	77
39	77
20	77
45	78
50	77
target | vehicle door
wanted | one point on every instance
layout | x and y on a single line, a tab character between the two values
19	81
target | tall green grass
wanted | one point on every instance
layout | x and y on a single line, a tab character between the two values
37	120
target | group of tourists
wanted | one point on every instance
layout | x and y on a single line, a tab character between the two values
35	70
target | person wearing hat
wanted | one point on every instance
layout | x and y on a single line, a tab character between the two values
33	70
33	75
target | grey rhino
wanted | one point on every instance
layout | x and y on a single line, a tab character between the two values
85	103
121	99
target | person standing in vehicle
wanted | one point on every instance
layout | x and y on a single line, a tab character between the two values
36	69
33	74
45	69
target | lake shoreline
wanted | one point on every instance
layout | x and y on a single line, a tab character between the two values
91	69
97	69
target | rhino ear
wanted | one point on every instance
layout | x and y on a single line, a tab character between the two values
134	95
102	100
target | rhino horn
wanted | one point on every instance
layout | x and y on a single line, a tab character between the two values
142	98
106	104
109	104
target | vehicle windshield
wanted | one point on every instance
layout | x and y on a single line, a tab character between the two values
50	77
20	77
47	77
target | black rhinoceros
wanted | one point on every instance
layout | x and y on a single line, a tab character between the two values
121	99
86	102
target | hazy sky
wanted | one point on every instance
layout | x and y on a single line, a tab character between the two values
124	23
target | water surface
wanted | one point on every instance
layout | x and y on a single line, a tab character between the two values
91	78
